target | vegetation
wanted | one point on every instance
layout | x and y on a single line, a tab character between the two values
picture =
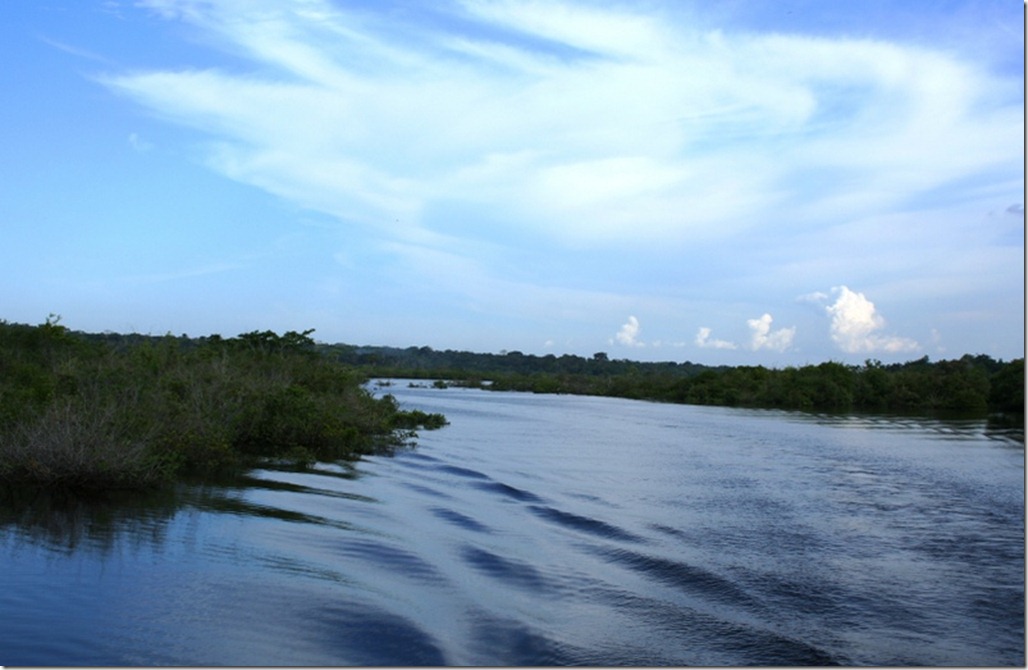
105	412
971	385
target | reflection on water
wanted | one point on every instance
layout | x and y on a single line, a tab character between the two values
64	523
550	530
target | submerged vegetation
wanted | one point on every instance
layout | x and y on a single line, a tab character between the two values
108	412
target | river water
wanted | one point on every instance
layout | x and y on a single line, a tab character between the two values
551	530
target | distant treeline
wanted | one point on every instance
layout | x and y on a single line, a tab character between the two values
101	412
428	363
972	385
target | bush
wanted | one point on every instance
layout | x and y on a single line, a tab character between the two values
79	447
109	415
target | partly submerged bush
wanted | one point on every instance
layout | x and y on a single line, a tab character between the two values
80	447
95	415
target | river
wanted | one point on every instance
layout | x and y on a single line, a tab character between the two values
551	530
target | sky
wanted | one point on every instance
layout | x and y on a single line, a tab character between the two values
738	182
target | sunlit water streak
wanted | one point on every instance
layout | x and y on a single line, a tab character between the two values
541	530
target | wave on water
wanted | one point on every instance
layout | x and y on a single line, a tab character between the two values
555	530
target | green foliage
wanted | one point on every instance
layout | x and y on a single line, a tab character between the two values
972	385
101	412
1006	387
109	410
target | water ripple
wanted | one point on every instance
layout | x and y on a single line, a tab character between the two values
552	530
507	491
510	571
585	524
461	520
688	578
399	562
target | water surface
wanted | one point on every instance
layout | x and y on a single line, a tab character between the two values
540	530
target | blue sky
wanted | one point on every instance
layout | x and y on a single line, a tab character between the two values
739	182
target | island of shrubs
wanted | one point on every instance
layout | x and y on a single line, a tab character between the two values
95	413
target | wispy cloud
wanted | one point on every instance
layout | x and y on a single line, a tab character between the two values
627	127
78	52
185	273
454	137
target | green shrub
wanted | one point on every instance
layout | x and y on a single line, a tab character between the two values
101	415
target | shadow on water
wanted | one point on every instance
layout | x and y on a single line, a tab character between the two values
65	521
1007	427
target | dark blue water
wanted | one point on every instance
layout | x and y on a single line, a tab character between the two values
539	530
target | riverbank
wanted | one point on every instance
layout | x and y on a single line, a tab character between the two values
973	385
91	415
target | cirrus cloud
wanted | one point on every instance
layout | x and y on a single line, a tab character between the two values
612	155
629	128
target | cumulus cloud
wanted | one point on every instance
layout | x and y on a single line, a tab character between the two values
629	333
855	325
764	338
704	342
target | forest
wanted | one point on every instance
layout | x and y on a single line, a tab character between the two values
973	385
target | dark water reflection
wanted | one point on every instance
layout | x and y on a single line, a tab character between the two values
551	530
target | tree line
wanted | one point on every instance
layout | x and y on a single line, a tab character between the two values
972	384
965	386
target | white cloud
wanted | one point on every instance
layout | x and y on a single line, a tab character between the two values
704	342
815	297
763	338
856	322
629	333
558	125
628	128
